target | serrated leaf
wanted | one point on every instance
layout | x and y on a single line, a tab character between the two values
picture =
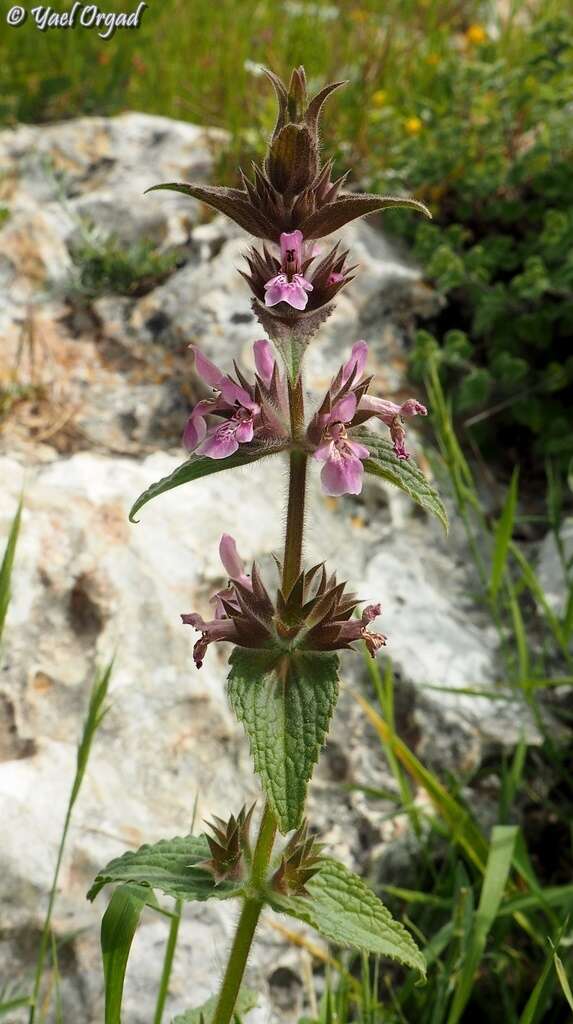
285	703
199	466
118	926
403	473
169	866
246	1000
344	910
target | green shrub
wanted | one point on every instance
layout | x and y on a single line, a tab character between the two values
105	265
491	153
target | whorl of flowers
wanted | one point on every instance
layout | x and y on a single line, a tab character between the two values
317	614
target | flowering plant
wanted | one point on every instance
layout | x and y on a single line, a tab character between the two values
283	680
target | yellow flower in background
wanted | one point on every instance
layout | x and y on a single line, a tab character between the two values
379	98
433	59
413	125
358	15
476	34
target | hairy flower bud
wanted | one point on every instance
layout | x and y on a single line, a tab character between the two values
300	860
292	191
229	846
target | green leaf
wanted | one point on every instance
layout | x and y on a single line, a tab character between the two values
403	473
246	1000
199	466
118	926
171	867
343	909
285	703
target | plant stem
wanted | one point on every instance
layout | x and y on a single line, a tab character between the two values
248	921
296	491
254	901
45	939
168	962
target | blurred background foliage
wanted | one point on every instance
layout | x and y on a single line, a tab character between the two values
465	105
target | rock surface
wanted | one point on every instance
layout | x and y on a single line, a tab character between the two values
104	388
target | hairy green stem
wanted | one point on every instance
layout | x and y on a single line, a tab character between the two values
254	901
248	921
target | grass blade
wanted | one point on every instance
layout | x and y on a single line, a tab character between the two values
535	1005
93	720
14	1004
503	534
563	979
533	584
497	872
8	565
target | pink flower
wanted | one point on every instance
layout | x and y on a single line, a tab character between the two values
392	415
357	629
343	471
354	366
235	568
290	285
243	609
347	405
235	402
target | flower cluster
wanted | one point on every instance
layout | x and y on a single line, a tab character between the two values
259	410
244	410
315	615
347	405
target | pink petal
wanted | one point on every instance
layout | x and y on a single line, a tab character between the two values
195	620
359	450
245	431
219	445
380	407
356	362
264	360
302	282
195	430
274	290
342	475
413	408
232	562
371	612
234	393
343	410
291	250
323	452
206	369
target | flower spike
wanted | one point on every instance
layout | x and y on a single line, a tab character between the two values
292	191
